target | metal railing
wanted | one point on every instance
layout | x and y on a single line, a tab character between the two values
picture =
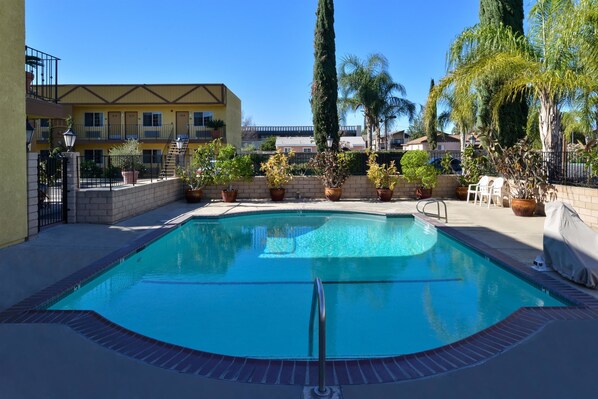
320	299
119	132
570	168
41	70
105	171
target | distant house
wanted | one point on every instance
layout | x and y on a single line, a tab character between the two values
307	144
396	140
446	142
255	135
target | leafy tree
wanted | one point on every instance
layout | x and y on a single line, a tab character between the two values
324	89
555	60
431	130
512	115
368	86
417	128
269	144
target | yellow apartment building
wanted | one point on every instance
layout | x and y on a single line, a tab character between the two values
155	114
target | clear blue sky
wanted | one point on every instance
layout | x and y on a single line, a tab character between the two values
262	50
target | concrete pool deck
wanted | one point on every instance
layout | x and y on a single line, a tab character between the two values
53	360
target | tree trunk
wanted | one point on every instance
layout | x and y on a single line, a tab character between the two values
462	136
550	123
378	140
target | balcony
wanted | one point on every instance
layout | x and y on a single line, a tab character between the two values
41	75
127	132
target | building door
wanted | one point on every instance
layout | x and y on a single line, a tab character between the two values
131	125
182	124
114	127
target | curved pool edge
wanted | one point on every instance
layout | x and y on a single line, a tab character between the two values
467	352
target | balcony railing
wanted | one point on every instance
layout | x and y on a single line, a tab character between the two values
142	133
41	74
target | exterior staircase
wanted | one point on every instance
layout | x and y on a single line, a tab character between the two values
171	157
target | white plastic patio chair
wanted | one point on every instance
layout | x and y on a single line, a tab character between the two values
476	188
494	190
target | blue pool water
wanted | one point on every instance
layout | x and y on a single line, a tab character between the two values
243	286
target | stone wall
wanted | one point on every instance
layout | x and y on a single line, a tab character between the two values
106	207
584	200
309	187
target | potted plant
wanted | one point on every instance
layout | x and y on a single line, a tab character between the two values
199	173
523	169
127	157
332	168
33	62
473	167
384	177
230	167
215	125
417	169
278	173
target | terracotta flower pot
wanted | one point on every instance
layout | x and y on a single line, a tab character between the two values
229	196
333	194
130	176
384	194
523	207
423	193
461	192
215	134
277	194
193	196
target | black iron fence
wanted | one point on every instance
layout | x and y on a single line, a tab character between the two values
41	75
110	171
571	168
51	190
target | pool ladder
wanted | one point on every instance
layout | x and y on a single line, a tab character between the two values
426	202
321	390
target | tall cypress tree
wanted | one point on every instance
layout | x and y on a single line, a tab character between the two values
324	89
431	131
512	116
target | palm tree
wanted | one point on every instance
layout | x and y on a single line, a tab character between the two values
367	85
461	109
551	63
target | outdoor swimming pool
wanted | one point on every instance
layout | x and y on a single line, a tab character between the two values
243	286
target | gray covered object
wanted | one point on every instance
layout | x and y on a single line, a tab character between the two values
570	246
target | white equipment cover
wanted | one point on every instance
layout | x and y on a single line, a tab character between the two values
570	246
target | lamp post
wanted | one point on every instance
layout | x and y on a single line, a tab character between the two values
69	139
329	141
179	146
29	134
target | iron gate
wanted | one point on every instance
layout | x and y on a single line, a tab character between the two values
51	190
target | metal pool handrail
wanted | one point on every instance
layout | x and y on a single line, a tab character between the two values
318	295
429	201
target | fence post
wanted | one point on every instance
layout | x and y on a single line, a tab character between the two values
71	185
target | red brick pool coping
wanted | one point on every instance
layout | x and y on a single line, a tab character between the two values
470	351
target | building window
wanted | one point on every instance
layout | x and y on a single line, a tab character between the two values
94	155
201	118
306	149
440	147
287	150
152	119
44	122
94	119
152	156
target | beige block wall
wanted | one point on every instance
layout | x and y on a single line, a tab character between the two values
584	200
13	163
107	207
309	187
